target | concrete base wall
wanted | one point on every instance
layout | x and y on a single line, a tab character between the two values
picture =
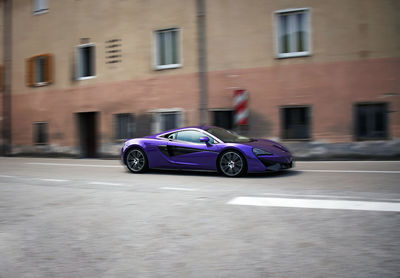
317	150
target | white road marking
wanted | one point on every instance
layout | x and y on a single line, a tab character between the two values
7	176
315	204
351	161
74	165
330	197
104	183
351	171
53	180
179	188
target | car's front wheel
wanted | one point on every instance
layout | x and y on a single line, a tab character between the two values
136	160
232	164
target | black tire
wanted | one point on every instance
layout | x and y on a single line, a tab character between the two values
231	163
136	160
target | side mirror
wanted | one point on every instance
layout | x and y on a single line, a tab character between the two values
205	139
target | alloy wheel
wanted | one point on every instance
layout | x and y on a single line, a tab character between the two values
231	164
136	160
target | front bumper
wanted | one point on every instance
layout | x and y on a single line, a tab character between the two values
277	164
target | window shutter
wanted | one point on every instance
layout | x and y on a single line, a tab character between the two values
29	72
48	68
1	78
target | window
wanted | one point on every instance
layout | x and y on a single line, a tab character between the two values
40	133
223	118
371	121
167	53
293	34
166	119
295	122
192	136
124	126
85	66
39	6
169	120
39	70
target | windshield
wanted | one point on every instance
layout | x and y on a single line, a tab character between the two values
227	136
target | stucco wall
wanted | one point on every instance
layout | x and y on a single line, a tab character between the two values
355	50
61	29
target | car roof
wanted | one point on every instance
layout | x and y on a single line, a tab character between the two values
203	127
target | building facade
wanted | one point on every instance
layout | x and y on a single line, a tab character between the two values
87	74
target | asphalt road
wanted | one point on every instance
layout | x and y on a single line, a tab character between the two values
91	218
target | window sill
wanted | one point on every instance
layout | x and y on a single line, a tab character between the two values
296	140
86	77
365	139
44	11
164	67
293	55
41	84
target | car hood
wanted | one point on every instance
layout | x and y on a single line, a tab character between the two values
267	145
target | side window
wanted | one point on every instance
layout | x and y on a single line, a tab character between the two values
171	136
191	136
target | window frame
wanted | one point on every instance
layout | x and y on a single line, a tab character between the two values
356	123
35	133
42	10
216	110
166	135
156	66
309	119
156	126
78	65
276	17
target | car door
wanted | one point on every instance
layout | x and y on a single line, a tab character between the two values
186	151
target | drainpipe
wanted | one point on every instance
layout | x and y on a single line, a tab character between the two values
202	61
6	86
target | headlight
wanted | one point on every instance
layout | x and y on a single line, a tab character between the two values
260	152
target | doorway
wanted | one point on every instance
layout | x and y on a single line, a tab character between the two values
87	134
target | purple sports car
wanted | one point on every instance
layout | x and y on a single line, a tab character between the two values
205	148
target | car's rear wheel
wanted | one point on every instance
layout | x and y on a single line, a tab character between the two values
136	160
232	164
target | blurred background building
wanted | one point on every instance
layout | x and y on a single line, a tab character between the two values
321	75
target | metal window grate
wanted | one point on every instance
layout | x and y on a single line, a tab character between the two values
125	126
296	123
371	121
40	133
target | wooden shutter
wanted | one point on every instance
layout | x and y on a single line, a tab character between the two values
1	78
30	72
48	68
